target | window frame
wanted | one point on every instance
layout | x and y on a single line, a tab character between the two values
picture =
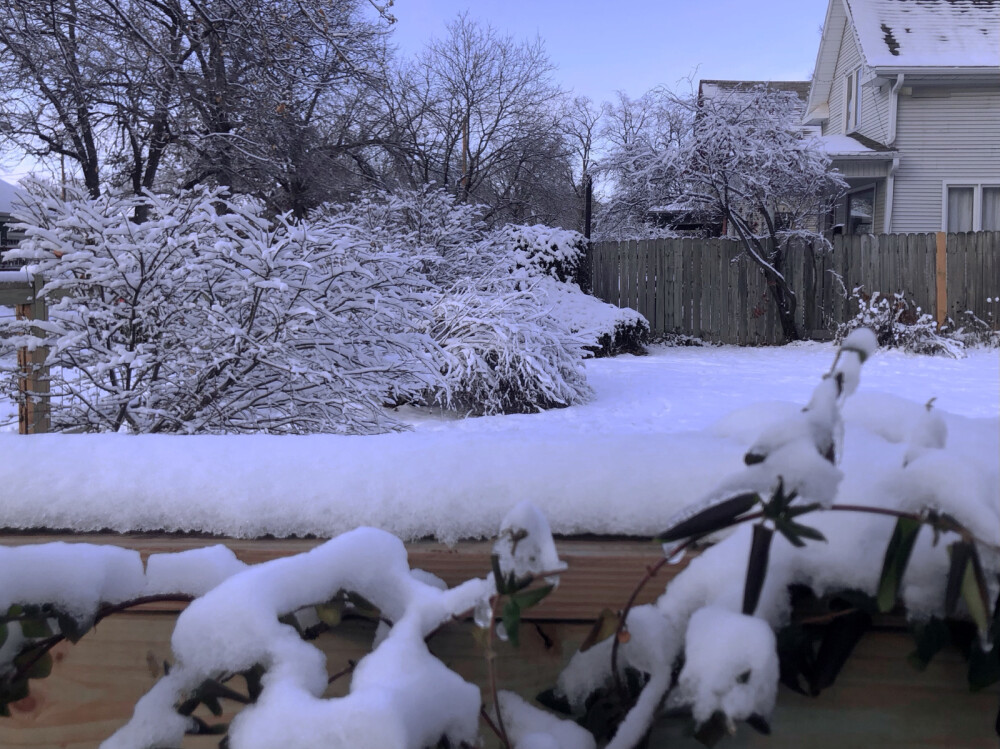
977	201
852	93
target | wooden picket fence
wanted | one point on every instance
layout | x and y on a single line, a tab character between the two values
710	289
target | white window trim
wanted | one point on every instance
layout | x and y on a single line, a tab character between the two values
977	201
853	83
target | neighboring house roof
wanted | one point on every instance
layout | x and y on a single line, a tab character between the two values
927	33
710	88
8	193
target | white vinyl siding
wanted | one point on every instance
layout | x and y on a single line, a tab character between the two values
874	104
945	138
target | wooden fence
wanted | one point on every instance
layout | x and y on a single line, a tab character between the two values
710	289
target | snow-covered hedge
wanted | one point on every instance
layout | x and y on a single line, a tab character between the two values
206	317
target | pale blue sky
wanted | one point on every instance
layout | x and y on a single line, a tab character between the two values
601	46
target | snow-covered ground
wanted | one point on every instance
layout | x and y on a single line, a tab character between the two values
660	433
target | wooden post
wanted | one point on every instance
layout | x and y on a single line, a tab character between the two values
33	410
941	275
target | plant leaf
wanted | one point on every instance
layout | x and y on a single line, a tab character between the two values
39	669
511	619
527	598
931	636
897	557
711	519
36	628
960	552
331	614
760	551
984	668
839	639
974	592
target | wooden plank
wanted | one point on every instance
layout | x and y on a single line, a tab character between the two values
736	308
955	263
687	286
695	288
746	307
877	700
607	569
941	276
677	285
725	314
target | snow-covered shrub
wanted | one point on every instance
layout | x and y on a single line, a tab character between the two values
246	621
428	223
706	647
207	317
607	329
899	323
543	250
503	350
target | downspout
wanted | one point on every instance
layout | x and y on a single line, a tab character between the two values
891	176
889	182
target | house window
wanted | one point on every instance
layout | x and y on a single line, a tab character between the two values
861	212
961	208
852	101
991	209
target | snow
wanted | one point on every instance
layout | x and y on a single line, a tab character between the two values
845	145
944	33
660	433
730	665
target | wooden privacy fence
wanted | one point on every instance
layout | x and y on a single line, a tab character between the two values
710	289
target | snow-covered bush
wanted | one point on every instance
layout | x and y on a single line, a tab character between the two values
206	317
504	352
899	323
248	622
706	647
542	250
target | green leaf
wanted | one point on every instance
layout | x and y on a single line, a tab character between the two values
713	730
36	628
984	668
41	667
760	724
897	557
974	592
839	639
511	619
794	512
331	614
787	529
604	627
525	599
760	551
554	701
73	629
213	704
711	519
3	633
931	636
961	552
253	678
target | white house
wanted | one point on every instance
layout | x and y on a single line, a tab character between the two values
907	96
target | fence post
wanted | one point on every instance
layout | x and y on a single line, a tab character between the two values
941	275
33	410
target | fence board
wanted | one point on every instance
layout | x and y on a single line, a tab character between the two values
707	288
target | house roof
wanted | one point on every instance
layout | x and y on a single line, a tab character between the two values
712	87
927	33
919	36
854	146
7	195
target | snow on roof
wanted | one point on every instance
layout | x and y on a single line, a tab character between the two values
7	195
928	33
853	147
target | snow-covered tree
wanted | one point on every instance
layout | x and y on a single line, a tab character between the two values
746	163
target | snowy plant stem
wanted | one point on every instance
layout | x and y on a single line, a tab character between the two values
651	572
492	672
46	645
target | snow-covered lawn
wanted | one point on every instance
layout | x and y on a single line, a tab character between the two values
661	432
